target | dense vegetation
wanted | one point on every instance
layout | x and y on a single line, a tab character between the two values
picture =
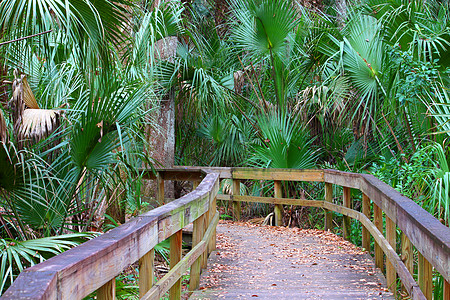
361	87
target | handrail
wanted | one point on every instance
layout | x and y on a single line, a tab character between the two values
94	265
419	228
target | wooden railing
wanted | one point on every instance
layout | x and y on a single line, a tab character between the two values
94	265
381	204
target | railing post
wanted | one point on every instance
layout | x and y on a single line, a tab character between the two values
146	267
407	254
278	189
378	220
197	235
204	256
175	257
346	220
365	232
107	291
391	274
236	204
425	277
159	188
212	242
328	213
195	184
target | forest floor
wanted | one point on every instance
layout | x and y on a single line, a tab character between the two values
253	261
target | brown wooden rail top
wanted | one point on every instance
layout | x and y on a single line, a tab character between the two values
90	266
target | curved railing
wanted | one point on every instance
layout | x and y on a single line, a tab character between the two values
94	265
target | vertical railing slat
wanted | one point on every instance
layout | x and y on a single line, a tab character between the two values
146	267
175	257
391	236
159	188
197	236
278	210
236	204
425	277
365	232
378	221
107	291
346	220
328	213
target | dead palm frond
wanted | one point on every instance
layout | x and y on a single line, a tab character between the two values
30	122
3	129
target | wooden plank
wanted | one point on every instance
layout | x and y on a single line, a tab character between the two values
195	184
278	191
405	276
174	174
212	241
175	256
391	237
347	200
277	174
224	172
378	221
236	185
365	232
407	253
425	275
146	267
286	201
341	178
204	256
196	266
107	291
328	214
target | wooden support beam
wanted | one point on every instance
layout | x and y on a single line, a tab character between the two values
378	221
278	189
175	257
159	188
107	291
347	199
197	234
425	277
328	213
236	205
204	256
146	267
391	237
365	232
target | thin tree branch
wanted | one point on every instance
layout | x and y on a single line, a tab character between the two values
25	37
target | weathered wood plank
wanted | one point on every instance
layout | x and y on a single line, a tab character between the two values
425	274
391	237
236	190
107	291
407	253
160	188
176	241
146	267
278	210
328	214
366	212
341	178
196	266
286	201
347	200
277	174
378	221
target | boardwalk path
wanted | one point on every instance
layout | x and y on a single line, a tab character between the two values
287	263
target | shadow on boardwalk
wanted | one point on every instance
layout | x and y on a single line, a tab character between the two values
287	263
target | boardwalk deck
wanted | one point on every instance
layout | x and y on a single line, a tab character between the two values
281	263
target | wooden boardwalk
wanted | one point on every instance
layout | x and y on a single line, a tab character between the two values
287	263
